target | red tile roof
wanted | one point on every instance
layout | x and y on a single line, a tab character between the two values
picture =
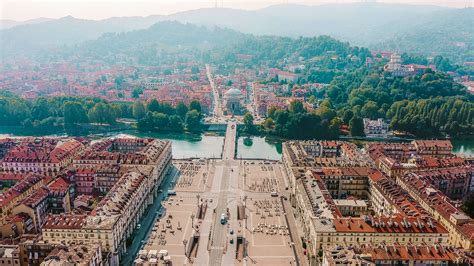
65	221
394	225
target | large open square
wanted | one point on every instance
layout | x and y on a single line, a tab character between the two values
236	208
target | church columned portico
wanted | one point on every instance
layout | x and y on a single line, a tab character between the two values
233	102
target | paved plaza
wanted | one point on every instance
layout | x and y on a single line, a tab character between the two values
250	194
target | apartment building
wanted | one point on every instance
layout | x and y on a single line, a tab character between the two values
399	151
388	198
373	128
117	214
41	155
454	182
324	224
22	189
396	254
434	148
34	250
35	206
342	182
106	176
61	193
111	222
301	156
9	255
84	178
89	254
459	225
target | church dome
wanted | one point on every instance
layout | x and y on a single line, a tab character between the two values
233	93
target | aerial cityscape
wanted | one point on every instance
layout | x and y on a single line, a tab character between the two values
335	134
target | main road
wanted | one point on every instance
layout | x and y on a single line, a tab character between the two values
224	176
217	110
147	221
229	142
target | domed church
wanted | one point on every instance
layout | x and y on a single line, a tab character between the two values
233	101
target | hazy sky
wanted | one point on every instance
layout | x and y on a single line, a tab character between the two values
100	9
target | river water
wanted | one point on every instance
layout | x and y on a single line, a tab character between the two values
187	145
253	147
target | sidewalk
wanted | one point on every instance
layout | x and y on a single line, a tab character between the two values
298	246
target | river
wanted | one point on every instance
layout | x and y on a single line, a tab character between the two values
186	145
254	147
248	147
464	146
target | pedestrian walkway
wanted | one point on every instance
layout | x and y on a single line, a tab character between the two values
298	246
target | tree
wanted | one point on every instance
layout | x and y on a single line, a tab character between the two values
370	110
136	93
271	112
195	105
168	109
303	126
296	107
40	109
119	81
442	63
138	110
248	122
74	113
268	124
102	113
116	110
195	69
333	128
161	121
181	110
356	126
153	106
176	123
193	121
347	116
326	113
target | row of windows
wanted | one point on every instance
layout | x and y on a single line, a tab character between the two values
106	236
9	262
357	239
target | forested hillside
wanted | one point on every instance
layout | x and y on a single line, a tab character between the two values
429	30
446	33
428	104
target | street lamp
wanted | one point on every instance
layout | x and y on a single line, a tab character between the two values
184	243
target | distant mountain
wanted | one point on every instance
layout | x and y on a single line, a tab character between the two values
167	33
156	44
427	30
65	31
6	23
449	33
349	22
375	25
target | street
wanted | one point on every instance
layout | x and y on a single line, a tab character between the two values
147	221
217	110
